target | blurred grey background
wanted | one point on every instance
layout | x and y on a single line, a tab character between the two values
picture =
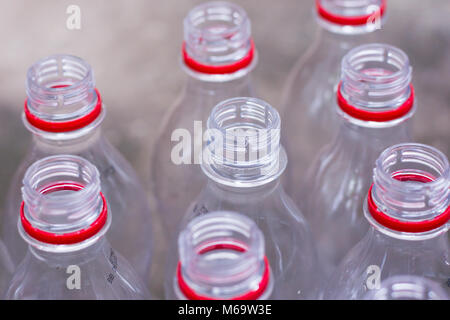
134	48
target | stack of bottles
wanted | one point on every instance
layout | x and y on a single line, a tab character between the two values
330	198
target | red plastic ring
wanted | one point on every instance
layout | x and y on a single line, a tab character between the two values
65	238
348	21
225	69
407	226
378	116
251	295
64	126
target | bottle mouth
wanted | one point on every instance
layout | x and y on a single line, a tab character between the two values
62	203
243	143
222	257
376	84
61	94
410	193
408	288
351	16
217	39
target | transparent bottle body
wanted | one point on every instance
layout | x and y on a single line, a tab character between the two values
336	185
6	268
175	185
130	232
407	288
378	257
288	243
309	99
103	274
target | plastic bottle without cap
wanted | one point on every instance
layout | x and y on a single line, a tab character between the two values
64	217
221	256
408	208
218	56
407	288
309	95
243	161
375	107
64	111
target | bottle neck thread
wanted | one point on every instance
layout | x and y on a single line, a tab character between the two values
61	96
222	257
243	143
375	87
409	197
63	208
217	42
351	16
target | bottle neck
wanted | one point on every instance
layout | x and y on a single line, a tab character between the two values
222	257
236	87
63	143
63	258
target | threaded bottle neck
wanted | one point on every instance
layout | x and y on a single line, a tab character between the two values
410	192
222	257
243	143
62	203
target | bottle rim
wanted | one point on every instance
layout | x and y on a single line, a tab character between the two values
64	126
402	225
348	20
255	294
219	69
65	238
377	116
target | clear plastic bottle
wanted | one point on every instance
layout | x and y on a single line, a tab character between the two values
218	55
407	288
63	218
64	111
408	207
243	161
310	93
375	106
221	256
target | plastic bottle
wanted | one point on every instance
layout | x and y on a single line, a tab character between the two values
64	111
218	55
243	161
310	93
64	217
375	103
408	208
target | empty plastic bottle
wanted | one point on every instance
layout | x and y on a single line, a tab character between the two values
310	93
375	105
221	256
243	161
408	207
63	218
218	55
407	288
64	111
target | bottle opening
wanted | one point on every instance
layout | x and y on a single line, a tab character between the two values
62	202
217	38
61	94
243	142
222	257
351	16
376	84
410	192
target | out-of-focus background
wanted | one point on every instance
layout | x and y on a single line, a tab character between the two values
134	48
